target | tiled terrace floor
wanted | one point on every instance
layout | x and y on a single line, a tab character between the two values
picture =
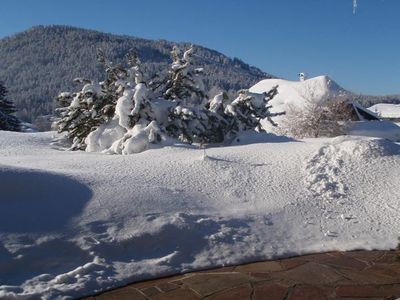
336	275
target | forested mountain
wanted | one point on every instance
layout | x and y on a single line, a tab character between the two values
37	64
40	62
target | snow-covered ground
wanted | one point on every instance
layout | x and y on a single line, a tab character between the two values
74	223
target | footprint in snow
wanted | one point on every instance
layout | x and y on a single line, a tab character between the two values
331	233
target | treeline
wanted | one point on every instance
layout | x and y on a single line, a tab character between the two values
368	101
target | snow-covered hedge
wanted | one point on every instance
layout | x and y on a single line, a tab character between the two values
128	112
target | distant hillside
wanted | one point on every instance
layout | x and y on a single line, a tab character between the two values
368	101
37	64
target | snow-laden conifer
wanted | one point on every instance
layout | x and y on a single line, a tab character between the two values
84	111
125	113
183	83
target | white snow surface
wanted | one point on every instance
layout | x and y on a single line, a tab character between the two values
386	110
76	223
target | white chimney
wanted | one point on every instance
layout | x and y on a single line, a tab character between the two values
302	76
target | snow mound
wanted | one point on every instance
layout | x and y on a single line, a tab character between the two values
326	168
345	173
366	147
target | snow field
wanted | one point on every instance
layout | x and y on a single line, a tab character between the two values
75	223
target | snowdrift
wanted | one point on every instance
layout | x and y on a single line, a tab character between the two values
76	223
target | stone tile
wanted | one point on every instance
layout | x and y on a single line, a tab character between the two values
270	291
239	293
389	267
125	293
291	263
367	256
357	274
319	257
207	284
388	270
368	291
217	270
390	257
154	282
362	298
311	292
179	294
363	277
166	286
344	281
150	291
311	274
342	261
260	267
260	276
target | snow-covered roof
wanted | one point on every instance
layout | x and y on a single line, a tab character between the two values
297	93
386	110
364	113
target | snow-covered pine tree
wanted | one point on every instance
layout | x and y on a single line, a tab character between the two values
189	124
246	112
82	112
142	111
221	120
122	115
183	83
7	120
133	127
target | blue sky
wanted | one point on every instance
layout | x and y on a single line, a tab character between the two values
282	37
